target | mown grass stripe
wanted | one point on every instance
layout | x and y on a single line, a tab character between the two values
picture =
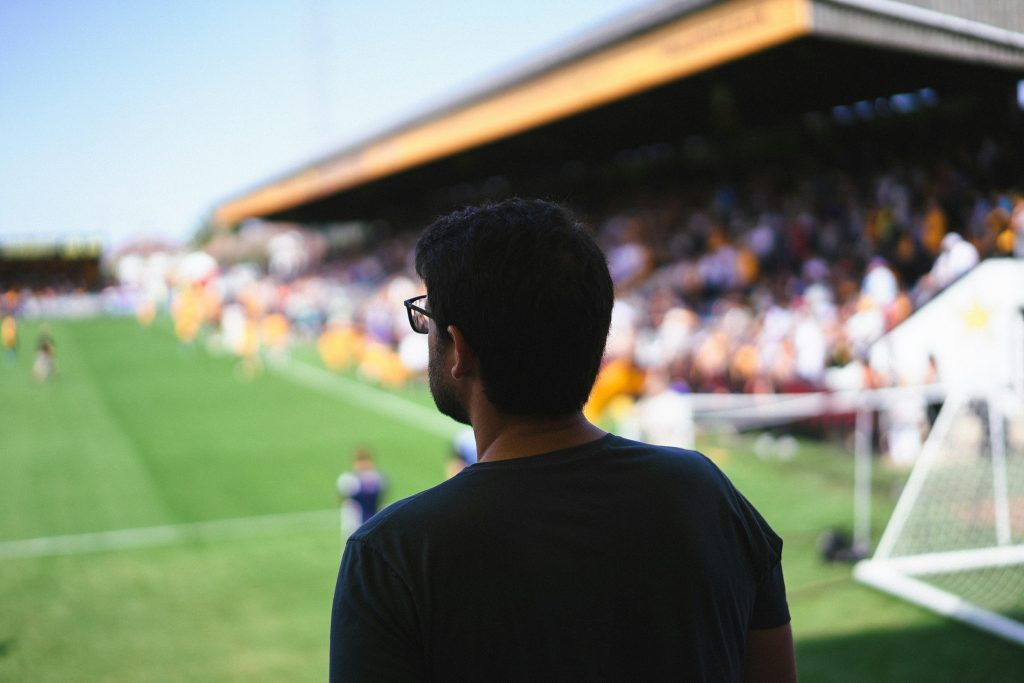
365	397
172	534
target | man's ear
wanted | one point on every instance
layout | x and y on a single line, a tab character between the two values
465	359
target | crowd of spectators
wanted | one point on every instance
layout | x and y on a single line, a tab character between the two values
761	287
776	282
770	284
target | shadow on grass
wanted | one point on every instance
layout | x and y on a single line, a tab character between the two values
6	646
947	651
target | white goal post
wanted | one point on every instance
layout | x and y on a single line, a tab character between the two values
955	542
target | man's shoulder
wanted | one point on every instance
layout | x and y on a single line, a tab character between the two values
667	457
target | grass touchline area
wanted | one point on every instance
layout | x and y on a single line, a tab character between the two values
386	404
152	536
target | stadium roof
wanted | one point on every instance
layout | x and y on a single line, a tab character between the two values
659	44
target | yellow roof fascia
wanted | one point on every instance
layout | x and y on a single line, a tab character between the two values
691	44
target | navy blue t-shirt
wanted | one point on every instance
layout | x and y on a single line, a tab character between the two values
613	560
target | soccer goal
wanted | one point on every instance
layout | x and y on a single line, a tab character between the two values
955	542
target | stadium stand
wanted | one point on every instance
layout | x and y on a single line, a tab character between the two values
784	73
61	265
776	182
784	171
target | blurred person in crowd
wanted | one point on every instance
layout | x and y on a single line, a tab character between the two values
380	364
900	310
1017	224
711	361
145	312
10	301
463	453
934	227
359	491
620	375
745	370
810	346
341	346
630	259
864	326
188	313
557	520
276	333
880	283
673	335
240	335
909	261
617	377
719	265
956	258
986	234
9	337
250	363
664	415
413	353
43	367
783	368
907	425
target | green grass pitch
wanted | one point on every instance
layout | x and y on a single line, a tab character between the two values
136	433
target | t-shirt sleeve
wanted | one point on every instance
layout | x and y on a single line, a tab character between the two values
764	550
765	547
770	607
373	633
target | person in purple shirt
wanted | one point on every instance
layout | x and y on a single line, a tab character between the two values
359	491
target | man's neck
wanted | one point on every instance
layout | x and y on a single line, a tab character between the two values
502	437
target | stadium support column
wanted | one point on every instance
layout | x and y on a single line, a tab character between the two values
862	482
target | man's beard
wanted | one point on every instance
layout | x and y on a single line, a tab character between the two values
441	388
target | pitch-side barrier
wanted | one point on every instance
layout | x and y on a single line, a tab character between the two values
758	411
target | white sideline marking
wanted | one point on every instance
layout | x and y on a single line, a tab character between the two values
368	397
148	537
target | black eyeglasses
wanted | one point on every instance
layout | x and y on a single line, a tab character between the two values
418	315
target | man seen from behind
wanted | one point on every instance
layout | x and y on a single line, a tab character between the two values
565	553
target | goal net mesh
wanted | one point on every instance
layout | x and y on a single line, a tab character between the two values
955	542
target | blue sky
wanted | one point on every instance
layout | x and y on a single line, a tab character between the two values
120	119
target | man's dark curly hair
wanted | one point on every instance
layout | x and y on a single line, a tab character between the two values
529	289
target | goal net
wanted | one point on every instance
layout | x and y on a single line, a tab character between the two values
955	542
